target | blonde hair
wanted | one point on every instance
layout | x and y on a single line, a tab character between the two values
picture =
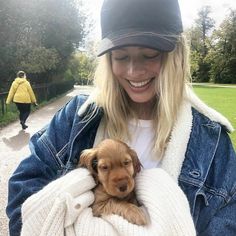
170	88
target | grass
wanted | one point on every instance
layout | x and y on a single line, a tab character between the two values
221	99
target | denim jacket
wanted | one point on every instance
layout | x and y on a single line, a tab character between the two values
207	175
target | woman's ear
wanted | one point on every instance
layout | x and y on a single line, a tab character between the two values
88	159
136	163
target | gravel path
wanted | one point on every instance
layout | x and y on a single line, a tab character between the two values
14	146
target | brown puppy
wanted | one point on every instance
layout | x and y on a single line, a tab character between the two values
114	166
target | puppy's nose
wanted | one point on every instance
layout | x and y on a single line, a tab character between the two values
123	187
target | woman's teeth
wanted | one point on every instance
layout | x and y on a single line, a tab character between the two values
139	84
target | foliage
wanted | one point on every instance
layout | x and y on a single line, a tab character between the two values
40	59
204	24
223	52
199	39
81	68
213	52
39	36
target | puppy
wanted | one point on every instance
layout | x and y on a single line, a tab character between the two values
114	165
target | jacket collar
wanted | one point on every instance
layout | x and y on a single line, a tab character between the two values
175	152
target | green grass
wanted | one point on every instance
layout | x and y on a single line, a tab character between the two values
221	99
10	116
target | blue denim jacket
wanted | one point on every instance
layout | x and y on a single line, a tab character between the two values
208	174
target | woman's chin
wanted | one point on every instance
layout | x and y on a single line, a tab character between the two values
142	98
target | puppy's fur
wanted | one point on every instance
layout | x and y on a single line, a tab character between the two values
114	165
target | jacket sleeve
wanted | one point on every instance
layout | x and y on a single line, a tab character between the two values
31	93
11	93
223	220
42	166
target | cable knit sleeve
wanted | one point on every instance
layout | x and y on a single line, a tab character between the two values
56	206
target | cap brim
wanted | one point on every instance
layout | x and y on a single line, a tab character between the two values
160	42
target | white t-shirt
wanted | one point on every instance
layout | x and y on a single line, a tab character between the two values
142	134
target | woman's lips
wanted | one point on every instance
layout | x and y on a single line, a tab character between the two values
140	84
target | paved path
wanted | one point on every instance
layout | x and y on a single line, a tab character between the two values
14	146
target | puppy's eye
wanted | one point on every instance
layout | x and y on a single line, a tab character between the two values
104	167
126	162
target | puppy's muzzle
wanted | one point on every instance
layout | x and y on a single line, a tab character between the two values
122	186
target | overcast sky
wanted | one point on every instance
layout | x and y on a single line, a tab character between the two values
189	9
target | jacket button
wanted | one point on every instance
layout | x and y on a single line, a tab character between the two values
195	173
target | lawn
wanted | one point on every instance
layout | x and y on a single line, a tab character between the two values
221	99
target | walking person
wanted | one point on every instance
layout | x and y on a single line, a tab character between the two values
143	97
22	94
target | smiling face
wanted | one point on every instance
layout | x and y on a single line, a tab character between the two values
136	69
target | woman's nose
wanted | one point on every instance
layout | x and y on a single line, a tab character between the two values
136	69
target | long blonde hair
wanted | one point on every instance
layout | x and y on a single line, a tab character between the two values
170	88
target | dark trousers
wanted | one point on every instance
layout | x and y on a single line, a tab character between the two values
24	109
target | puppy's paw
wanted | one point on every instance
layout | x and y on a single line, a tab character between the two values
136	215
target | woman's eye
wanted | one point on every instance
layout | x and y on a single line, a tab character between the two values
155	56
120	58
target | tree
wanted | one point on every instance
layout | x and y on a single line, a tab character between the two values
204	25
81	68
39	36
200	41
223	52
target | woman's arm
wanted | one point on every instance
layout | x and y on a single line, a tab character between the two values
224	221
11	93
42	166
218	217
54	209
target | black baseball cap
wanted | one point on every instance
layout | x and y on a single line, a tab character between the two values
148	23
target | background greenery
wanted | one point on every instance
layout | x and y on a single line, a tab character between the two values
40	37
213	49
221	99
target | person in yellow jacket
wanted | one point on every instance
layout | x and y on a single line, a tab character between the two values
22	94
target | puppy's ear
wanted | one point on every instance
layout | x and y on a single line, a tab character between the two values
136	163
88	159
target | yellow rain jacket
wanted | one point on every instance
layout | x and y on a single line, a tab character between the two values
21	91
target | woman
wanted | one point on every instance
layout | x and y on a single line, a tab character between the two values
22	94
143	98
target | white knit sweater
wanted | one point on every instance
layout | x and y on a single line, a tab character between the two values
62	208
